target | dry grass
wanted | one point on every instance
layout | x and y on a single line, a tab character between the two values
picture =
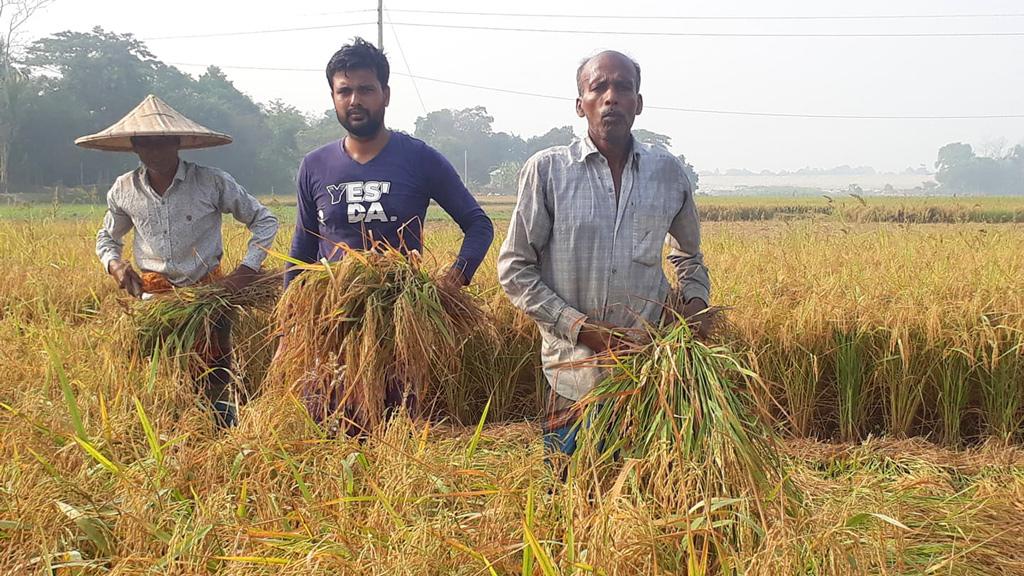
374	319
173	324
104	454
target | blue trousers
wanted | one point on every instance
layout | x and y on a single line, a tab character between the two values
562	439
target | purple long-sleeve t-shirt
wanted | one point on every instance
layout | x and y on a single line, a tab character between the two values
341	201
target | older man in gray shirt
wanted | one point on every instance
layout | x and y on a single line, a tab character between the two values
583	254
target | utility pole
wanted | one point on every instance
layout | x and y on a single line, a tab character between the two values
465	166
380	24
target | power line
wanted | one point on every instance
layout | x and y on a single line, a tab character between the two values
726	18
606	32
251	32
664	108
339	12
401	52
716	34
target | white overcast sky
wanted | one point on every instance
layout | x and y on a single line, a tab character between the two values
852	76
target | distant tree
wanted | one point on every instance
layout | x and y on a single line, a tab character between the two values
505	178
960	170
283	153
110	73
86	81
561	136
15	80
652	138
467	139
690	172
251	158
319	131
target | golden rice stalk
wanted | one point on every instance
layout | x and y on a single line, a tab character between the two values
381	316
176	322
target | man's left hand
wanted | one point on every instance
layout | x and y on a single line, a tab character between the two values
240	279
452	280
700	318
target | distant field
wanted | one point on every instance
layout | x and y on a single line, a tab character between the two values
711	183
842	207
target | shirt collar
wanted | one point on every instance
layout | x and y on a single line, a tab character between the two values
583	148
179	174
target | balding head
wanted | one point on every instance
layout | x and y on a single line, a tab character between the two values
609	87
584	68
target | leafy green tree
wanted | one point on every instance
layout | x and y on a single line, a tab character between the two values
319	131
15	81
505	178
652	138
960	170
561	136
466	138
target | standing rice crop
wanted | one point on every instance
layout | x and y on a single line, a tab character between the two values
852	383
1003	385
953	372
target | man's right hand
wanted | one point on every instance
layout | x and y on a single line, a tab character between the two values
126	276
603	337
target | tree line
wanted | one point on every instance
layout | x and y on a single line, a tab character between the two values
961	170
74	83
77	83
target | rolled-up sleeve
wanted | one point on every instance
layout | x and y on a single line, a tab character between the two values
245	208
519	259
110	236
684	248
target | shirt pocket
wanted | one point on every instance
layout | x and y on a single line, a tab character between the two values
651	221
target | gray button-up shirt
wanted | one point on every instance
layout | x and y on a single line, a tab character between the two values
178	234
572	252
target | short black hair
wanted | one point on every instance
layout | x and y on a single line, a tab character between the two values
585	61
359	55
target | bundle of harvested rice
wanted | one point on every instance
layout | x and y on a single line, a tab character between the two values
679	397
373	323
183	322
674	412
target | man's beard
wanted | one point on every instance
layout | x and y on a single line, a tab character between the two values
365	129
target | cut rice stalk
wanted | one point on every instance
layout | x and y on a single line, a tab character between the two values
386	320
679	397
176	322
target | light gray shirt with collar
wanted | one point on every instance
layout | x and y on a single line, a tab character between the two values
179	234
572	252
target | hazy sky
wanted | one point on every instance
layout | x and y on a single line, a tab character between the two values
846	76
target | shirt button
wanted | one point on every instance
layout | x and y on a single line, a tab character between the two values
614	270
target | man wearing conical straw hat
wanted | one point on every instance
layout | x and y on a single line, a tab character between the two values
175	208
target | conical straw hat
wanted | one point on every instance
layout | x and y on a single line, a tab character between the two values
153	117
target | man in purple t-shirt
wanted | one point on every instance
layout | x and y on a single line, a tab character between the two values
375	184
